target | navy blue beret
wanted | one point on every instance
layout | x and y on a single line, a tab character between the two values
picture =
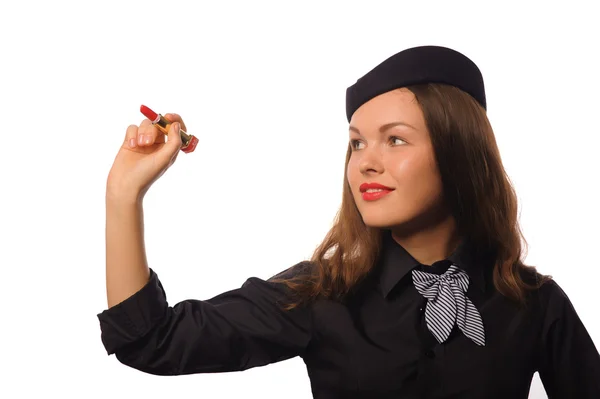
423	64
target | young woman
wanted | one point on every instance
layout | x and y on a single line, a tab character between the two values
418	290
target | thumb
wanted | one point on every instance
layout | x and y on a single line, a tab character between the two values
174	143
168	152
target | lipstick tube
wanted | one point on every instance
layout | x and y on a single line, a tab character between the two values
189	142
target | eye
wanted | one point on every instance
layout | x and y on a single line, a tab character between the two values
396	138
354	142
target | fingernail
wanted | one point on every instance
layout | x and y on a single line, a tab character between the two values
131	143
141	139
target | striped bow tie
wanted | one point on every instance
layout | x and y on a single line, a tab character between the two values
447	304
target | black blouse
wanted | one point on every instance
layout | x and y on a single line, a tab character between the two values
375	345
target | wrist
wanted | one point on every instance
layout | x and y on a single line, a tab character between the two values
120	197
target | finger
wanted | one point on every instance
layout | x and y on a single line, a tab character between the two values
131	136
149	134
173	145
175	118
167	154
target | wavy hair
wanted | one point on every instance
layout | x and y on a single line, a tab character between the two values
477	190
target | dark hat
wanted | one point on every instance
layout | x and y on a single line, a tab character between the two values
424	64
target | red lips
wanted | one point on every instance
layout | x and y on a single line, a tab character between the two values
365	186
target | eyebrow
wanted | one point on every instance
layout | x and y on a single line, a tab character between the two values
385	127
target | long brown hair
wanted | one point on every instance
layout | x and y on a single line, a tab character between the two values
477	190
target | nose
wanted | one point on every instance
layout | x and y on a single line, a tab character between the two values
370	161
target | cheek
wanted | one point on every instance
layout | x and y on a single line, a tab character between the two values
407	169
417	178
352	170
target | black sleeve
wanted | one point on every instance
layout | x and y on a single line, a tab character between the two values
570	363
234	331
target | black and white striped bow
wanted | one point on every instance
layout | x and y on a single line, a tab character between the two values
447	304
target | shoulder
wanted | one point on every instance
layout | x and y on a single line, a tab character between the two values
299	270
551	293
280	285
549	297
542	287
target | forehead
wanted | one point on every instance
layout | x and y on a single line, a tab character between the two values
392	106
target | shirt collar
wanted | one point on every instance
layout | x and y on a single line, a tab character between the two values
395	263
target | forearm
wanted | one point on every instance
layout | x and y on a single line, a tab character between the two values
126	265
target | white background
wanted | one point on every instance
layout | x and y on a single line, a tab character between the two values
262	85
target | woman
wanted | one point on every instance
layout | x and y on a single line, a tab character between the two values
418	290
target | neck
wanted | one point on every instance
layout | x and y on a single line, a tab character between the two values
430	244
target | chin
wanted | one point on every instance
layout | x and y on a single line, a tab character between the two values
381	221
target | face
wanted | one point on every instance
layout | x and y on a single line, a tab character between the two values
399	156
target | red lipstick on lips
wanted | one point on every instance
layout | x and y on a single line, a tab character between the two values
375	195
189	142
